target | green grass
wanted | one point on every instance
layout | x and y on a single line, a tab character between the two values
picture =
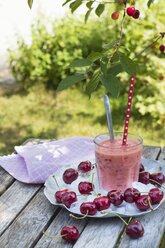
43	114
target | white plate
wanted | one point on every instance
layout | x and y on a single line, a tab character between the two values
125	209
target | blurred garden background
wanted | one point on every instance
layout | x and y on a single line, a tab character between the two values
36	53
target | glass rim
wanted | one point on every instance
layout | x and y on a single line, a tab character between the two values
138	138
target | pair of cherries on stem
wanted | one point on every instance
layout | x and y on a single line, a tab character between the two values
143	202
99	204
131	11
71	174
67	197
154	178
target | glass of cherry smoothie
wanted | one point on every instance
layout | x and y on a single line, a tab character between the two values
118	165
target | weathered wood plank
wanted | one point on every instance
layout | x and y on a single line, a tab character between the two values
154	226
27	228
100	233
13	201
60	221
5	180
151	152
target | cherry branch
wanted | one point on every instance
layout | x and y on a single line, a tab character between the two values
150	45
122	24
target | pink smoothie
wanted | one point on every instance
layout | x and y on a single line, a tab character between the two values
118	165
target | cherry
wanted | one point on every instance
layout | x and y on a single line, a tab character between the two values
70	233
58	195
85	166
156	195
88	208
116	197
130	11
157	177
70	175
135	229
142	202
141	168
144	177
85	187
136	14
161	77
68	198
162	48
115	15
102	202
131	195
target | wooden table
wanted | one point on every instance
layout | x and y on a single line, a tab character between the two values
26	213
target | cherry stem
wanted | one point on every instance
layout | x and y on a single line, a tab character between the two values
56	182
157	183
149	202
79	218
104	212
153	42
129	220
51	236
122	25
93	187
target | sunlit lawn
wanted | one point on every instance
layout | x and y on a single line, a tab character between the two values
42	114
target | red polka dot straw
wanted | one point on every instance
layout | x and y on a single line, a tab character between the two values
128	113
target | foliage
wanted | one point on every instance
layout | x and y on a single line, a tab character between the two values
106	62
30	3
50	58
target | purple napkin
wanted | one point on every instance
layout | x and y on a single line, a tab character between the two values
34	163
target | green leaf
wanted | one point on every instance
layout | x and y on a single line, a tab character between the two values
89	4
103	64
67	1
127	64
93	56
87	15
115	57
99	10
69	81
150	2
80	63
75	5
109	45
111	83
30	3
115	70
93	83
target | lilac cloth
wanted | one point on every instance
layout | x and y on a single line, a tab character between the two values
34	163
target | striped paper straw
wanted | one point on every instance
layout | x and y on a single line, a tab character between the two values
128	113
